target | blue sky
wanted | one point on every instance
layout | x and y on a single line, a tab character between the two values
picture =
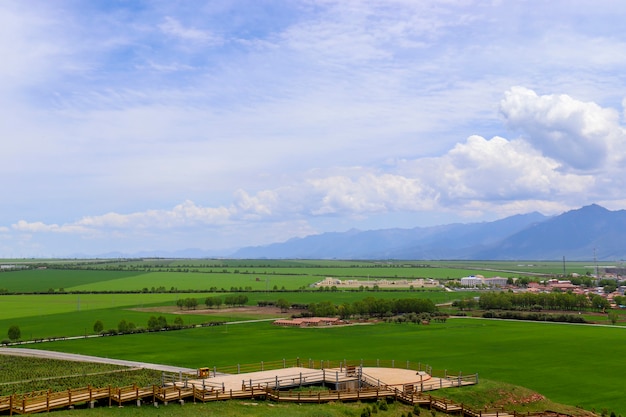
164	125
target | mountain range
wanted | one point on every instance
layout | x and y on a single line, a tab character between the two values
591	232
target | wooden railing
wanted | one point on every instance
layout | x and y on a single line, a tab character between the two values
206	390
316	364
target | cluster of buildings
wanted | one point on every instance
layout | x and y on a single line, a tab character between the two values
551	285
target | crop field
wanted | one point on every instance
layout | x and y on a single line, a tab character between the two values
26	374
257	275
572	364
64	315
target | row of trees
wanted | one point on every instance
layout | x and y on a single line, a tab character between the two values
229	300
516	315
188	303
191	303
124	327
372	307
548	301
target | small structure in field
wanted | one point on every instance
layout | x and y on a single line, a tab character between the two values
380	283
308	322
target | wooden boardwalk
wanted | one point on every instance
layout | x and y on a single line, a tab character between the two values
348	383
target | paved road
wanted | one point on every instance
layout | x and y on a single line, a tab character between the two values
94	359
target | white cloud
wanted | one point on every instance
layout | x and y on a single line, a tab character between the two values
369	193
40	227
580	135
153	116
186	214
474	177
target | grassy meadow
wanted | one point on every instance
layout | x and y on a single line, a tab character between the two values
561	361
572	364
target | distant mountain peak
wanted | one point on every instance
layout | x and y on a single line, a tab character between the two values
591	208
575	234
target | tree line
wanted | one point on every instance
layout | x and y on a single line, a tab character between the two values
372	307
541	301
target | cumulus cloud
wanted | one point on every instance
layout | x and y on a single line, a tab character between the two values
40	227
476	176
580	135
499	169
369	193
182	215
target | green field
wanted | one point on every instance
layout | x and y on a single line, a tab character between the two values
63	315
572	364
561	361
258	275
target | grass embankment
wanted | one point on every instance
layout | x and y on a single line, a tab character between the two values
245	408
500	395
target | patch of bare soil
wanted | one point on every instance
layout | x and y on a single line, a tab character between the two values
509	398
248	310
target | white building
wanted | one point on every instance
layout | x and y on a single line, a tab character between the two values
472	281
